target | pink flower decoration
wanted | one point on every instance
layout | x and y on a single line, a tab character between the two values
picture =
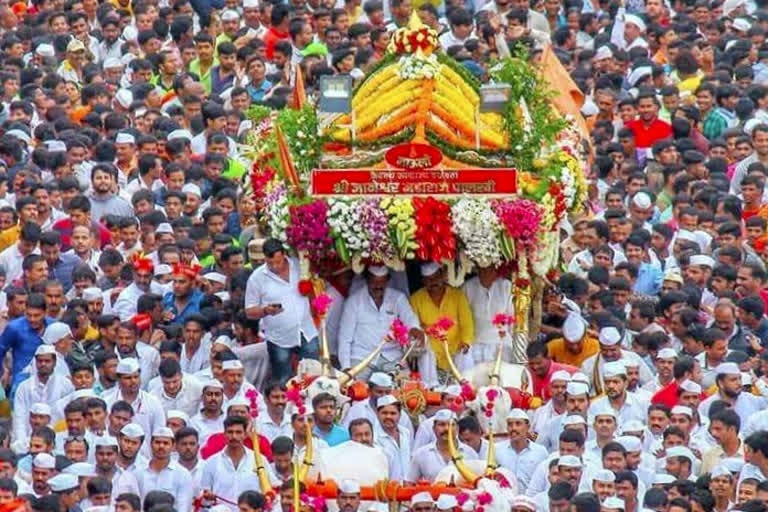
503	482
484	498
479	508
467	393
252	395
462	498
309	231
321	304
521	219
502	320
440	329
492	394
489	413
398	332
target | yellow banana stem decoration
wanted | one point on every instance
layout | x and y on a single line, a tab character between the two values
260	467
346	377
454	371
458	459
309	453
296	488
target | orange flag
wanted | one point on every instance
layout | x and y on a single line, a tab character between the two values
299	96
570	99
286	162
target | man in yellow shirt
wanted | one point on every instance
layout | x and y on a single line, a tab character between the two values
27	208
435	300
575	346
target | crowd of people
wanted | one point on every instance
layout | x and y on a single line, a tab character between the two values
151	326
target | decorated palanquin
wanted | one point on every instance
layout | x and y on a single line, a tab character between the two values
426	163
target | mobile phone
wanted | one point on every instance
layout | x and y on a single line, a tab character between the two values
277	305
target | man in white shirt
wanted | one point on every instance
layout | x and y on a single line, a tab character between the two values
177	390
394	439
276	422
488	294
106	449
44	386
730	390
518	453
12	258
210	419
626	405
430	459
129	346
272	296
164	474
231	471
148	412
125	305
366	320
610	350
379	385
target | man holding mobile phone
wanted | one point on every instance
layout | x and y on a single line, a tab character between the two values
272	296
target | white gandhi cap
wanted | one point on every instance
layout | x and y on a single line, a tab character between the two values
609	336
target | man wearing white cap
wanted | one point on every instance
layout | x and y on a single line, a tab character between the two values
627	406
576	403
43	468
665	362
43	386
348	499
489	293
106	451
422	502
162	473
519	454
436	300
210	419
576	345
611	351
393	438
730	389
379	385
428	460
604	484
679	461
59	335
555	406
148	411
67	488
366	320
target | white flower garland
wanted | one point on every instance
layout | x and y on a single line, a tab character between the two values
477	226
418	67
344	219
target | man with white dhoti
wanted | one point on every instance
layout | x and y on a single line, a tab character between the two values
489	294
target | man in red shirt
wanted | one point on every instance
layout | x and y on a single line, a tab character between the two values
279	22
218	441
542	369
648	128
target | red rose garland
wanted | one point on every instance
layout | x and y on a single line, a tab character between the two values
434	230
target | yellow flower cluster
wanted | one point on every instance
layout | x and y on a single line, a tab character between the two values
382	80
387	101
402	225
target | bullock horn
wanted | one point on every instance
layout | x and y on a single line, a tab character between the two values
346	376
458	459
454	371
260	468
309	453
491	465
495	375
325	353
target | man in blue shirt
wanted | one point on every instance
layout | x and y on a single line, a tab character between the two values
185	299
22	336
324	405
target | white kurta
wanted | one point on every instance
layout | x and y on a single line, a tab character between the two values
187	399
427	462
398	451
173	479
485	304
206	427
363	325
224	479
32	391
